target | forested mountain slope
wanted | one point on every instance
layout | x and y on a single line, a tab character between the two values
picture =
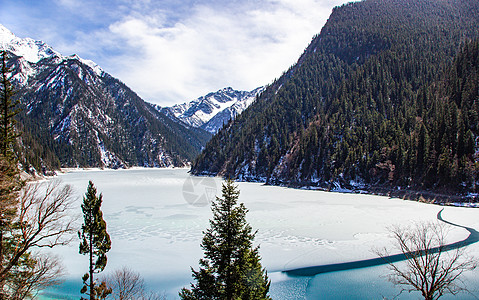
73	114
376	99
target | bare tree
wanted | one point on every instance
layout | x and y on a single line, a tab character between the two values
127	284
43	219
45	271
432	267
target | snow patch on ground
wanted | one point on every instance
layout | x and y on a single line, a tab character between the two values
475	205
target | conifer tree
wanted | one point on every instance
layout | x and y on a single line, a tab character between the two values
231	267
95	242
8	110
10	182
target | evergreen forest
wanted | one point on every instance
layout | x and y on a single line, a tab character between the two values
385	97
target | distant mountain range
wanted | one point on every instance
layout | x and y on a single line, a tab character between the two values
76	115
210	112
385	98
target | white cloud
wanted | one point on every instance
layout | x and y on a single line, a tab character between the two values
212	47
69	3
173	51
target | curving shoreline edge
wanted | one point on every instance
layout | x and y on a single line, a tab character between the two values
315	270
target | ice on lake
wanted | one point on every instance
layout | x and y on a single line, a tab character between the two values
156	217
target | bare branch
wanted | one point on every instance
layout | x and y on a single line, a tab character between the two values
43	271
44	219
128	284
431	268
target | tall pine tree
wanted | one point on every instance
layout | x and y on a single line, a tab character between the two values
10	182
231	268
95	242
8	110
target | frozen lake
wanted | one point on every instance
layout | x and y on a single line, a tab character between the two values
155	218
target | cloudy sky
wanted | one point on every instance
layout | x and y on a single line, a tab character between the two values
172	51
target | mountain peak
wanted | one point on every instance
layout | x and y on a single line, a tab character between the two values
29	49
227	89
5	35
210	112
34	51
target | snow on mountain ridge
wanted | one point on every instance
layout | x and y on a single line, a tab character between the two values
212	110
33	51
5	35
96	68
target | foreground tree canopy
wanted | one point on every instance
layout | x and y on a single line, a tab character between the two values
231	267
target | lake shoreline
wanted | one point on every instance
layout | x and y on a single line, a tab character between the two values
443	197
423	196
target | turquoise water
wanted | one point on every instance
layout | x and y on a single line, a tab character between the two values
369	283
155	218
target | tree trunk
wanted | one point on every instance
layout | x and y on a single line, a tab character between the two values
2	280
92	290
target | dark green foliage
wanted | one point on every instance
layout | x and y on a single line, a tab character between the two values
10	182
231	267
381	96
94	241
8	110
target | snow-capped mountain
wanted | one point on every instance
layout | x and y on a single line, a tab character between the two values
33	51
29	49
210	112
76	115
